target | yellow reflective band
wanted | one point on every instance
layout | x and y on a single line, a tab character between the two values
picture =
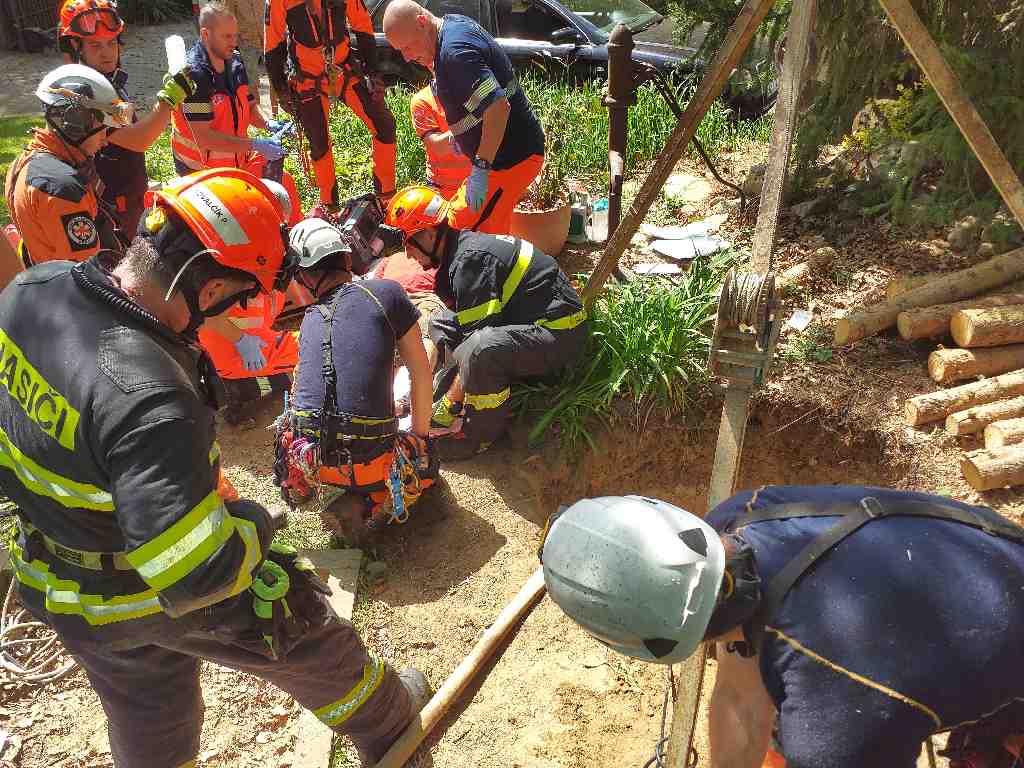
63	596
485	402
367	420
47	407
42	482
214	452
508	289
479	312
515	277
341	710
564	323
246	529
484	89
169	557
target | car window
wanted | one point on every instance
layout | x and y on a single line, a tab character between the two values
524	20
605	14
475	9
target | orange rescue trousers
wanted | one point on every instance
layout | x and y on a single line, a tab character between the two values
504	190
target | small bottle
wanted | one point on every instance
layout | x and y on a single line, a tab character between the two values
598	231
174	45
579	218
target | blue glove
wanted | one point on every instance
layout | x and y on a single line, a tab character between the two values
269	148
476	188
250	348
273	126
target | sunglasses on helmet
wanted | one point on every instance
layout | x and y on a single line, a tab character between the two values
90	21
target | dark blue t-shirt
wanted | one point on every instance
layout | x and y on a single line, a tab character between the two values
470	72
907	627
365	334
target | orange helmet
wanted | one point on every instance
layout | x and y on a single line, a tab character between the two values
237	217
90	18
416	208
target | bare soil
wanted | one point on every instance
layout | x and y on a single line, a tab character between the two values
554	698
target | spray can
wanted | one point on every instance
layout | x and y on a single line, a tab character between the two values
580	216
174	45
598	229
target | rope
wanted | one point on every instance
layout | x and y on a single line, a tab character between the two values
29	650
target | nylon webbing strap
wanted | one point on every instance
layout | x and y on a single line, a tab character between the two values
853	517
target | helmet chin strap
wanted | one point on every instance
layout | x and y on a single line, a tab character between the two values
198	316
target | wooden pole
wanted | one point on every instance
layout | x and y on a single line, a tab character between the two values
735	45
946	84
457	681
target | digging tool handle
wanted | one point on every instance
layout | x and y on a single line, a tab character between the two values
436	708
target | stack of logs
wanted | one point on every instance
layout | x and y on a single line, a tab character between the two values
982	308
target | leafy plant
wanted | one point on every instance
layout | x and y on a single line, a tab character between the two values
649	344
811	346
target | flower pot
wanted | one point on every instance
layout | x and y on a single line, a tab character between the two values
547	230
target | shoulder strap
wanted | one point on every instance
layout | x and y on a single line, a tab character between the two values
851	518
327	362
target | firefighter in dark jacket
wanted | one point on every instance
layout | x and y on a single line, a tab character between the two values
310	61
130	544
512	315
90	33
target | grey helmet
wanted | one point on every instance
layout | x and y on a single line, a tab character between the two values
78	102
281	194
315	240
640	575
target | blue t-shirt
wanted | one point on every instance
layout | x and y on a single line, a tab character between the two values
907	627
471	71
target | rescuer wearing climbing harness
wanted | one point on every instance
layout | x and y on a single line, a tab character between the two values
310	61
863	619
341	429
129	543
90	34
488	113
211	128
513	315
53	192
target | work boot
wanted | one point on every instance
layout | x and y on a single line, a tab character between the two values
418	686
458	447
371	750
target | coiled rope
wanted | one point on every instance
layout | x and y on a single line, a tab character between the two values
30	650
745	299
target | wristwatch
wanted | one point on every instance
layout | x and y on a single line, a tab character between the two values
479	162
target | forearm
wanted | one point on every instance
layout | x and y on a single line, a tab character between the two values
209	139
140	136
222	326
741	716
256	118
493	131
439	145
421	391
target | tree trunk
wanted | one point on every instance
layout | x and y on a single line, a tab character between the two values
992	327
987	469
250	24
1006	432
900	285
980	416
926	322
952	287
934	406
949	365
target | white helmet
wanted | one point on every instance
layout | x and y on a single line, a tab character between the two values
281	194
79	101
640	575
315	240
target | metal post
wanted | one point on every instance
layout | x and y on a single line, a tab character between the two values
621	96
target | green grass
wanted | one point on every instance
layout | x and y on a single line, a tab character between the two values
13	137
649	345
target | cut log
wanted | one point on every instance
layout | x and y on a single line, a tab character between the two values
926	322
987	469
955	286
975	419
948	365
1006	432
992	327
901	285
934	406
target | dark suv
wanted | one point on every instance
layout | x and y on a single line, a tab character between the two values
573	32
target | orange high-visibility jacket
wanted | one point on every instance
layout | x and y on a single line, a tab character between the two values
281	350
305	31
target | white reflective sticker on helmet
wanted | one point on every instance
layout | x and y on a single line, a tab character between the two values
433	206
217	214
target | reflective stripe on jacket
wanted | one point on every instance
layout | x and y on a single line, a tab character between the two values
107	448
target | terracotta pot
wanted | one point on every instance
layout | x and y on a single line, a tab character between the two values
547	230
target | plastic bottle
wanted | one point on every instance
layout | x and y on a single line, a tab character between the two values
598	231
174	45
580	216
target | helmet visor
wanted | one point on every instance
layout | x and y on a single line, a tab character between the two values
96	20
120	114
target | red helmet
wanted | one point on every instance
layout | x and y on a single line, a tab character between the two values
416	208
237	217
90	18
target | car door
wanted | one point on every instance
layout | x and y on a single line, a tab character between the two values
545	34
391	62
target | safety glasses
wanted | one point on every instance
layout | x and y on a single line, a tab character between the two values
120	114
97	19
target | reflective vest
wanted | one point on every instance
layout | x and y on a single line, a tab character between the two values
226	111
257	319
